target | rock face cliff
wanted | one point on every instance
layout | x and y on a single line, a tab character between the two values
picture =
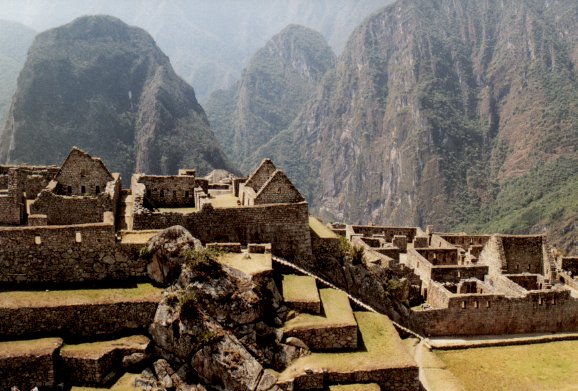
15	38
104	86
457	114
278	81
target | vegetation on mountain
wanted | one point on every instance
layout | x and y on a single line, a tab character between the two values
278	81
101	85
452	114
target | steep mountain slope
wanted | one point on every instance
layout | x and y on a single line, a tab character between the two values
457	114
278	81
209	42
15	39
106	87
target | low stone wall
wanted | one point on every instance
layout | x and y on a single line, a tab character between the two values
327	338
538	312
76	209
456	273
79	371
65	254
387	232
34	369
170	190
394	379
83	321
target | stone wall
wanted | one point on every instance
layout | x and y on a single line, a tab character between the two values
78	321
440	256
523	254
454	274
169	191
327	337
76	209
285	226
570	264
479	314
64	254
278	190
387	232
82	174
30	370
465	241
258	178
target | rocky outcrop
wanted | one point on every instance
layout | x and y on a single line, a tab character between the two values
104	86
278	81
220	323
167	251
15	39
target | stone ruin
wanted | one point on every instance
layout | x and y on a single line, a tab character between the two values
248	290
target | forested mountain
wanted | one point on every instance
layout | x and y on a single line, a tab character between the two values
104	86
278	81
208	42
457	114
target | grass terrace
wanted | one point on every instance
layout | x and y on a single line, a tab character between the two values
320	229
300	289
33	347
383	350
546	366
337	313
32	299
258	263
95	350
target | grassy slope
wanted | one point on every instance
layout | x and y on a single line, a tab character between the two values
549	366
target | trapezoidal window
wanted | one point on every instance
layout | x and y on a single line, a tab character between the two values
83	189
97	191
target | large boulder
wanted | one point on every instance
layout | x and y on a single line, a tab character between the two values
167	251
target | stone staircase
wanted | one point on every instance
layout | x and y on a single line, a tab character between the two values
45	335
351	350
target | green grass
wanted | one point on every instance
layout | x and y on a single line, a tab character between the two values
33	347
22	299
548	366
337	313
384	349
320	229
97	349
300	289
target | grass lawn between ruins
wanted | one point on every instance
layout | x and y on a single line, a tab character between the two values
257	263
20	299
300	289
536	367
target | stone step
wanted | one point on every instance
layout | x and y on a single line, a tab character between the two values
356	387
336	329
251	264
28	364
300	293
81	313
98	363
383	360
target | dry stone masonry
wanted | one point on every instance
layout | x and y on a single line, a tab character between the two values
77	251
